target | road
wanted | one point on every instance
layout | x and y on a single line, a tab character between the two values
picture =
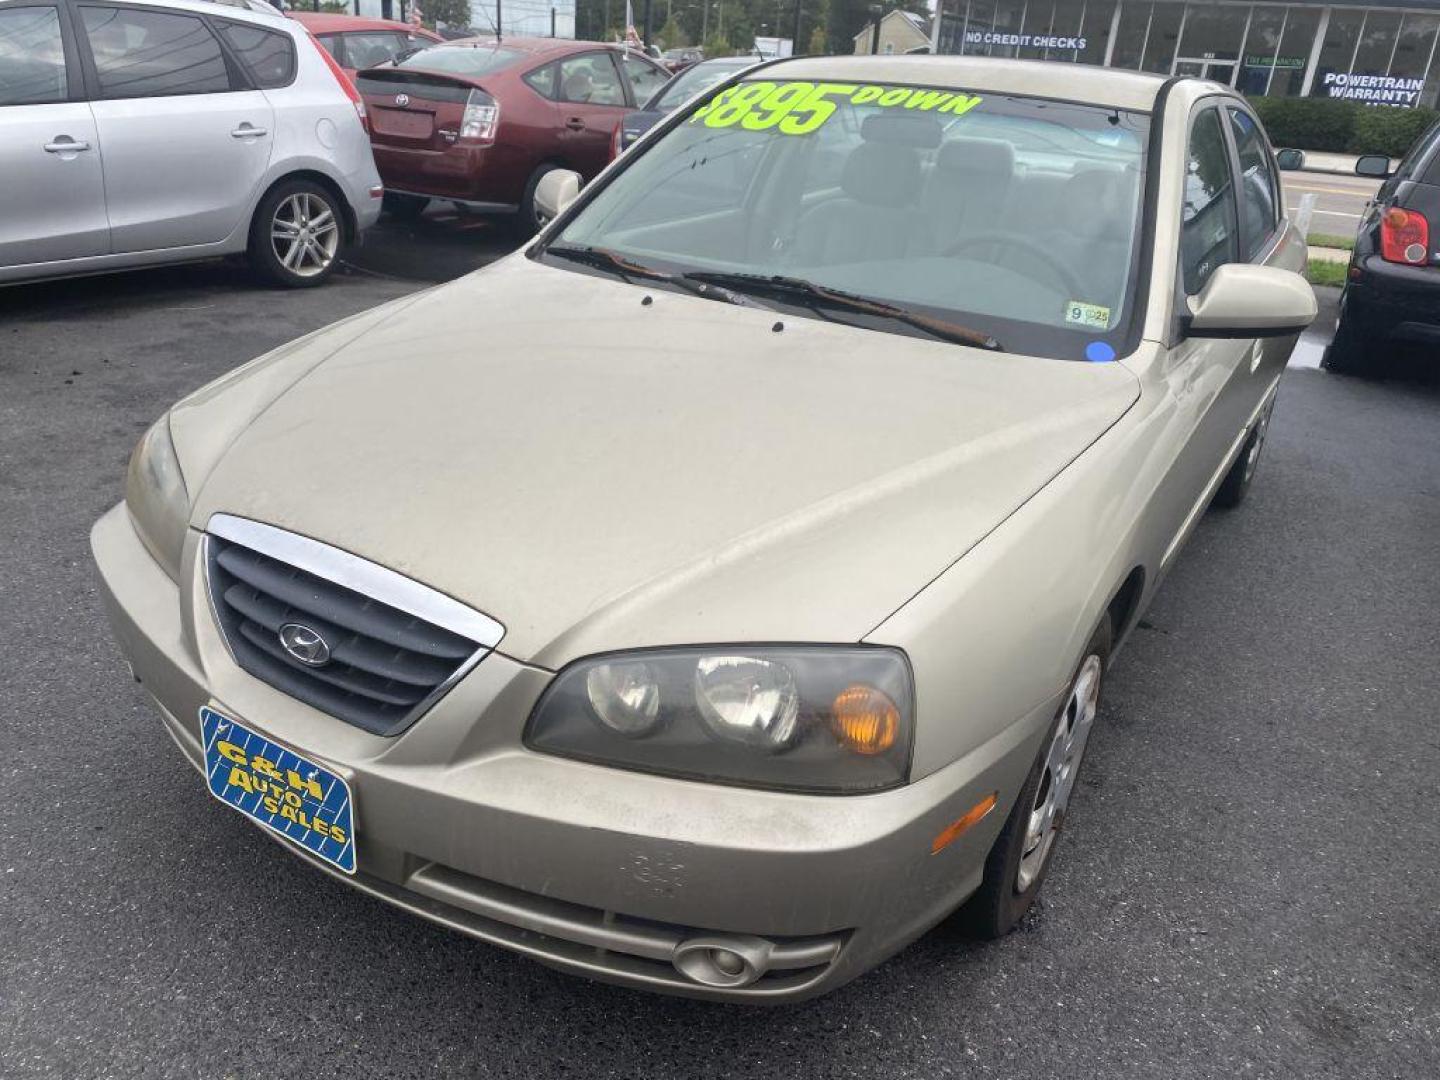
1339	200
1246	887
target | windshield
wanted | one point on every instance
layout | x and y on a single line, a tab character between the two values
1014	217
461	59
692	81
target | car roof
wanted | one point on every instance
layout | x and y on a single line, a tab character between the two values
1038	78
326	23
535	46
215	9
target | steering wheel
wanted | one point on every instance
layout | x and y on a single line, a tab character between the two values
1058	273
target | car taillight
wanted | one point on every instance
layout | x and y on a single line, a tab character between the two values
482	116
615	142
1404	237
344	81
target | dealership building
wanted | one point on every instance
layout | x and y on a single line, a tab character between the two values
1380	54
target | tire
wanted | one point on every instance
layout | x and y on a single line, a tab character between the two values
1236	485
1346	354
1016	867
527	224
291	209
404	207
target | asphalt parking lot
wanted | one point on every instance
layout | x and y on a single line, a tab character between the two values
1247	887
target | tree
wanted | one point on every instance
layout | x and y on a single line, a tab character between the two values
671	36
450	12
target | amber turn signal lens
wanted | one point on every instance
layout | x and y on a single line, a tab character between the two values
865	719
961	825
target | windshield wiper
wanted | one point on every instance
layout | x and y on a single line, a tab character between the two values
615	263
817	296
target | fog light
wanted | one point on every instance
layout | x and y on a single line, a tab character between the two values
730	961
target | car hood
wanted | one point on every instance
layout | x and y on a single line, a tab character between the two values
601	466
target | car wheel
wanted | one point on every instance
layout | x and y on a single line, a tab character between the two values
404	207
1236	484
297	235
1346	354
527	221
1017	864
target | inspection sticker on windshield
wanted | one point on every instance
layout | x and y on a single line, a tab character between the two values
291	795
1092	315
798	108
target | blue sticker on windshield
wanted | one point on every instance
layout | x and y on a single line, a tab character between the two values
1099	352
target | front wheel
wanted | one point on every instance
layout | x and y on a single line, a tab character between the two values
1017	864
297	234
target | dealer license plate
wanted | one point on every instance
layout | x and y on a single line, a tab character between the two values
291	795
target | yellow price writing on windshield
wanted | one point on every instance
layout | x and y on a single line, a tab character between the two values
798	108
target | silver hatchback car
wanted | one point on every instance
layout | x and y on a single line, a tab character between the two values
135	134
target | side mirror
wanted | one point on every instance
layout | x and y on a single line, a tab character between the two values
1373	165
557	189
1245	301
1290	160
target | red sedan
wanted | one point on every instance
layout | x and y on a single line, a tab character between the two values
480	121
358	43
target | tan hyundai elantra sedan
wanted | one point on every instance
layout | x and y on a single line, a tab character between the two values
717	593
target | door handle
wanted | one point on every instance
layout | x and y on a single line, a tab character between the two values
245	131
575	124
63	144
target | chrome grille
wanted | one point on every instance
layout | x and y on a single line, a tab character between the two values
393	646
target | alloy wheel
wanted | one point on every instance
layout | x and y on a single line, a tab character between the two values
305	234
1062	763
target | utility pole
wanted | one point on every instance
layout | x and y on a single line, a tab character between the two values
645	37
552	21
874	28
704	21
795	45
499	21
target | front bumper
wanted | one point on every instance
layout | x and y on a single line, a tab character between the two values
616	875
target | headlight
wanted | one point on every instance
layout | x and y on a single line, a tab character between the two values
155	493
800	718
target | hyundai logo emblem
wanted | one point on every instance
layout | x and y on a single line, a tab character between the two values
304	644
402	100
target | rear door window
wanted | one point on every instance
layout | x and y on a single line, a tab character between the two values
142	53
1208	223
591	79
364	50
269	56
32	57
645	78
1259	187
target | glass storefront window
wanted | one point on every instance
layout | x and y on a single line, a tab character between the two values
1160	42
1413	53
1294	56
1134	21
1259	57
1213	31
1339	48
1008	16
1038	17
1377	41
1095	31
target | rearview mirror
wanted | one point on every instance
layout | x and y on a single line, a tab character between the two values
1245	301
1373	165
1290	160
557	189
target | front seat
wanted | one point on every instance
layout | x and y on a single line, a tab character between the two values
877	215
969	190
